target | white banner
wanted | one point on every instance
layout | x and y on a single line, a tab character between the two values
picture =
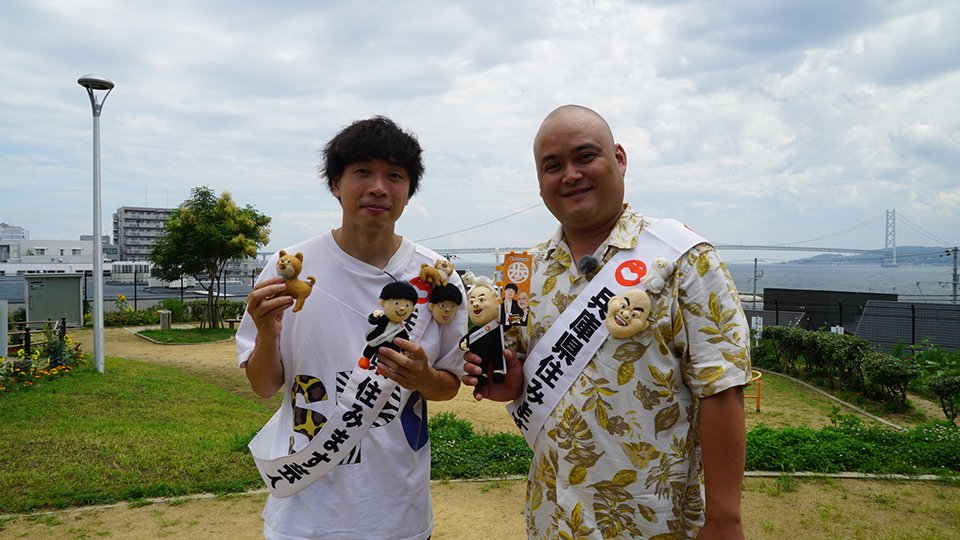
356	410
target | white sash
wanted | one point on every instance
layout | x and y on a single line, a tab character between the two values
551	368
387	336
482	331
357	409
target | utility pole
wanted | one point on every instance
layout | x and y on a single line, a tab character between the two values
757	274
956	278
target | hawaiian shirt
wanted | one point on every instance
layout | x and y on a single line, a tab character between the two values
619	457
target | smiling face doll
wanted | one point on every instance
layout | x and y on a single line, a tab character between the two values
627	314
486	338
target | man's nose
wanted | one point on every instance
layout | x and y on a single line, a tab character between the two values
571	173
378	184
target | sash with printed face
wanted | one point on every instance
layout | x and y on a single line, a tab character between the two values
551	368
357	409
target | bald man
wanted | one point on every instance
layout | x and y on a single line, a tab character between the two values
648	436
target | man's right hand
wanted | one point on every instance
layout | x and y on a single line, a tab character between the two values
508	390
266	305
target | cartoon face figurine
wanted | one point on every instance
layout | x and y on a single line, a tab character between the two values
627	314
483	305
398	300
444	302
486	338
397	309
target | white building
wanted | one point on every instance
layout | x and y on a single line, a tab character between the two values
12	232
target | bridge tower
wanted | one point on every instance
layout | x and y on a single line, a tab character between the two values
890	246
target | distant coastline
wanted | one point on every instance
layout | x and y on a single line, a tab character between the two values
906	256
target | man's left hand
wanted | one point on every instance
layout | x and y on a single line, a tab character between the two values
410	367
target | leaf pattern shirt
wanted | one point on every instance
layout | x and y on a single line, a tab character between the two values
619	457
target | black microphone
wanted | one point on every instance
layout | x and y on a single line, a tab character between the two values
588	265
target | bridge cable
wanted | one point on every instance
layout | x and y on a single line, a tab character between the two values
921	230
854	227
518	212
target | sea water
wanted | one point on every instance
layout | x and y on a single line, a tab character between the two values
909	282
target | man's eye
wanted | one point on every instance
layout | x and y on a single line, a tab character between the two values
586	158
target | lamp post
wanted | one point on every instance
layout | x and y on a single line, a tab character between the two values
94	82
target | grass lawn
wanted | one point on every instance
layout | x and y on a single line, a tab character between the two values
189	335
140	430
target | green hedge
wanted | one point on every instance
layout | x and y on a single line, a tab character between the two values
837	361
190	311
849	446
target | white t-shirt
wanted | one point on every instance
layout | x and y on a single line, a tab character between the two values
382	489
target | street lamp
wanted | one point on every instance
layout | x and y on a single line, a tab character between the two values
93	82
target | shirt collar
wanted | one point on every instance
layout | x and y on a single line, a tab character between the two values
623	236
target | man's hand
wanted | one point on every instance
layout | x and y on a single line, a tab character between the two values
412	370
266	304
508	390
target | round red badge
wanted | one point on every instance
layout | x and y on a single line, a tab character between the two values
423	290
629	273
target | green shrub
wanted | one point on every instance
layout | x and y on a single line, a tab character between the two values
947	390
232	309
177	309
833	360
888	377
843	356
933	362
850	446
197	309
457	452
16	315
130	317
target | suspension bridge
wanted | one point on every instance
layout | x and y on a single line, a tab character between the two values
476	239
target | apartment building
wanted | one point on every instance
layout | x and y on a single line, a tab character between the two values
136	228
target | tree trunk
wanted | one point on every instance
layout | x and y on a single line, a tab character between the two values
212	309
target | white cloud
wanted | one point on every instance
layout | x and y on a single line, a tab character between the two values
753	121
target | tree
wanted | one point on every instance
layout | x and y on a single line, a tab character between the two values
205	233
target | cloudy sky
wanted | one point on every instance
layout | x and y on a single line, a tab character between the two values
753	121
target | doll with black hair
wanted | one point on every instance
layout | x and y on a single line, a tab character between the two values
444	302
398	300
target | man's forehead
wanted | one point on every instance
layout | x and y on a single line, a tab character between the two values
378	161
560	136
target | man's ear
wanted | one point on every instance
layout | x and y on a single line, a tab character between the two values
335	187
383	303
621	156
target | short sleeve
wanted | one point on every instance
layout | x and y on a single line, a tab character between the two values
715	337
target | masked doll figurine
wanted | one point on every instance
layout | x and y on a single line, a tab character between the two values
398	300
627	313
486	338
